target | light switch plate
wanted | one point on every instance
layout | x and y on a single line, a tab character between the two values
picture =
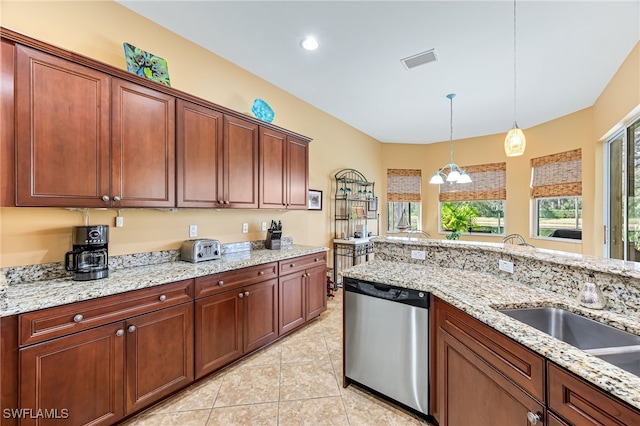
245	228
418	254
193	231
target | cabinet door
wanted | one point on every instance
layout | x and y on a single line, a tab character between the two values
199	139
260	314
239	182
273	169
159	355
218	331
292	297
583	404
81	373
471	392
62	132
298	174
143	146
316	291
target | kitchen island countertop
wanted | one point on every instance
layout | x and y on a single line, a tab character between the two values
481	294
31	296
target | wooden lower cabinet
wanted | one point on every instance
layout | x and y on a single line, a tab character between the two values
159	355
472	392
100	375
303	296
581	403
233	323
81	376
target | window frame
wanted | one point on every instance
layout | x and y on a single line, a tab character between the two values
408	205
442	231
536	219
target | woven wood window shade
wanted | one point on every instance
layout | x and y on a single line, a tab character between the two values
488	182
557	175
403	185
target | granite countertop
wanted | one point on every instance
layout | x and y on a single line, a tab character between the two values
480	294
25	297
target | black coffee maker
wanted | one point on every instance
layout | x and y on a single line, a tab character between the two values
89	259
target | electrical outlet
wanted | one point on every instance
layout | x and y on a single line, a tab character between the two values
119	221
245	228
193	231
418	254
263	226
505	265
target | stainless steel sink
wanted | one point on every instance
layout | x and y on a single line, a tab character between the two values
629	361
576	330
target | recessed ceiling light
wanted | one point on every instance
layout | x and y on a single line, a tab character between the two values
309	43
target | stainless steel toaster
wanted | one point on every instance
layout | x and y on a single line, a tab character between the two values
200	250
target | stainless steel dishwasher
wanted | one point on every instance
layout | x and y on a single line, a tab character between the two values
386	341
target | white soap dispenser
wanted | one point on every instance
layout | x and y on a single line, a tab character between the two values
591	296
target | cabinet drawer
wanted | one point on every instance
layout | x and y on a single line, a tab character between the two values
301	263
212	284
519	364
581	403
61	320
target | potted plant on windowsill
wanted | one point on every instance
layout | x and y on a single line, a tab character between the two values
458	218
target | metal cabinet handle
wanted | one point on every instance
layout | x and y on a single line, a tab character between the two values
261	273
162	298
220	201
105	198
316	259
533	418
246	293
241	295
131	328
78	318
220	283
116	198
120	332
293	265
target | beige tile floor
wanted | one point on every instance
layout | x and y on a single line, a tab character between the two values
295	381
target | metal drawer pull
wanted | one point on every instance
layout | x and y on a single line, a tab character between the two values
116	198
241	295
533	418
163	298
316	259
78	318
261	273
246	293
105	198
220	283
293	264
131	328
119	332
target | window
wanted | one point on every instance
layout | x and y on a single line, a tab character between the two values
559	217
403	198
476	207
556	187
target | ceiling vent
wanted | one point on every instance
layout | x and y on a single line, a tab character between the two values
420	59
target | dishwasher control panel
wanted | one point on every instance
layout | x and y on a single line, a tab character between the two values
385	291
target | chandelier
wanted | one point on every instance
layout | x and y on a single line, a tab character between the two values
514	142
456	174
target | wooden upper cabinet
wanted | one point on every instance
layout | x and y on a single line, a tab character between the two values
284	171
298	174
143	146
273	169
62	132
238	185
199	142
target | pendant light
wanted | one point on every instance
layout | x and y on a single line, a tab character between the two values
456	174
514	142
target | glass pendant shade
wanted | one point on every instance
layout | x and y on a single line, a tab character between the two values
453	176
464	177
515	142
436	179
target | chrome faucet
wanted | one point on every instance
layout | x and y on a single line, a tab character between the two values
591	296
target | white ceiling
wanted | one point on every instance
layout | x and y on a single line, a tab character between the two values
567	51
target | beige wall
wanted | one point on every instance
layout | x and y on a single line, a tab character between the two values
97	29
